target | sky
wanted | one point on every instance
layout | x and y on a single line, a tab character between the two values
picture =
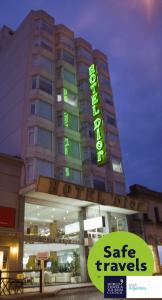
130	33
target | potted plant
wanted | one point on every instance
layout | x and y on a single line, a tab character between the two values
75	264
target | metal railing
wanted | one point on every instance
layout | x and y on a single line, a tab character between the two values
16	282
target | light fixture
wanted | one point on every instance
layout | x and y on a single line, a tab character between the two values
53	209
14	250
69	259
67	211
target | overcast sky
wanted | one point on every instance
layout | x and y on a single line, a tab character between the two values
130	33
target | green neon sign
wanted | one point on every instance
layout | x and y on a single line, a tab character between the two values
66	146
66	119
67	171
97	116
65	95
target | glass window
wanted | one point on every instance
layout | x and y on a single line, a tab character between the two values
45	110
34	82
83	52
116	165
70	97
31	135
111	120
68	57
45	85
71	121
72	175
44	168
105	81
43	62
99	184
118	222
83	68
42	42
33	108
102	64
41	24
44	138
69	76
107	98
71	148
42	109
67	41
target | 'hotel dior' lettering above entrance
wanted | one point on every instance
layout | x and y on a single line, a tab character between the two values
70	190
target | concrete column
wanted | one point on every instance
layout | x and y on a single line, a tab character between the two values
21	215
83	250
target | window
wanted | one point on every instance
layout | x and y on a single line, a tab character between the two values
71	121
33	108
31	136
83	52
34	82
116	165
105	81
45	85
43	62
44	138
70	97
99	184
72	175
111	120
68	57
71	148
42	109
70	77
45	110
102	64
44	168
83	68
42	83
67	41
43	43
41	24
107	98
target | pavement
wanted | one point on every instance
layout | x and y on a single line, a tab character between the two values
53	291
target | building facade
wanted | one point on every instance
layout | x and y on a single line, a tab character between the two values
62	110
58	115
149	224
11	213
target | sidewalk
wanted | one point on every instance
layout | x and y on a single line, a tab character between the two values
49	291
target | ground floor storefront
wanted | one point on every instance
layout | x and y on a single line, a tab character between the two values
62	221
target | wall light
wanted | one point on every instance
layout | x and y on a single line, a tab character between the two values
14	250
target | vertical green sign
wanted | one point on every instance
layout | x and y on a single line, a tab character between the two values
97	116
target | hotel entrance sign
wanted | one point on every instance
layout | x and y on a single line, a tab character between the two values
97	116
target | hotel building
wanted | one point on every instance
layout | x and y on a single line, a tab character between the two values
57	114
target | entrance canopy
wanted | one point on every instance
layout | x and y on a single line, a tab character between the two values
69	194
